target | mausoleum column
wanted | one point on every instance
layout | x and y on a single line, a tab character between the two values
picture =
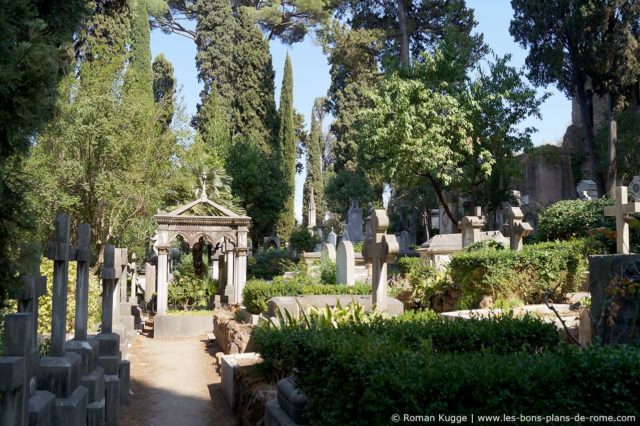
229	266
163	279
241	265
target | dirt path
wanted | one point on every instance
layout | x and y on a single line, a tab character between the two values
175	382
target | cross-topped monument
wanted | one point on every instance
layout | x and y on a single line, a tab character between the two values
60	251
622	211
518	228
380	249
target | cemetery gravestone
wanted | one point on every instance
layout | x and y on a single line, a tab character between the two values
470	226
345	264
332	238
329	251
518	229
588	189
634	188
621	211
403	241
380	249
60	372
354	221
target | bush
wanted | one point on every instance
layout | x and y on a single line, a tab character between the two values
257	292
412	332
546	268
267	264
418	364
328	271
45	307
407	264
302	239
188	290
569	219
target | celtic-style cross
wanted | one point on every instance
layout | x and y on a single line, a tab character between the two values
380	249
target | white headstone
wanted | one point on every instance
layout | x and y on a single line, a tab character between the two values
470	227
589	187
345	263
329	250
332	238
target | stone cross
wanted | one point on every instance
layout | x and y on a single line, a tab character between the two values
380	249
134	279
34	285
108	277
622	211
470	227
124	264
60	251
83	256
16	377
345	263
518	229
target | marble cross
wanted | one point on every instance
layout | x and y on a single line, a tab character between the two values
83	257
133	268
621	211
518	229
380	249
60	251
108	277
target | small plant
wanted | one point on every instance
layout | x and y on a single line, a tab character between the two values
328	317
328	270
267	264
302	239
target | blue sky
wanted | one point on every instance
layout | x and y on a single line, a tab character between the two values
311	72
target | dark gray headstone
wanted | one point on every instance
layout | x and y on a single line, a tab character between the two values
614	283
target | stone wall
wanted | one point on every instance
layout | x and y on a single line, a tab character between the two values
233	337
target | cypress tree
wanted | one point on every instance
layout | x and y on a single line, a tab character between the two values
287	152
164	87
215	42
139	79
254	105
314	171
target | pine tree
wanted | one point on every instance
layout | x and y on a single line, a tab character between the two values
254	105
287	151
215	31
314	169
164	87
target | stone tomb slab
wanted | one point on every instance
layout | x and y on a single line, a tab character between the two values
229	364
294	304
619	323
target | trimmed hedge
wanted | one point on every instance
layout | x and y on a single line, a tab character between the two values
421	365
556	267
412	331
257	292
568	219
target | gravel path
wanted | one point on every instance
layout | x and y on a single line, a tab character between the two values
175	382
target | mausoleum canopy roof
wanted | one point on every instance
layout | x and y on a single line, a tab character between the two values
202	211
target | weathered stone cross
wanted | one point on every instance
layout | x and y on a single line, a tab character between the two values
621	211
380	249
518	229
108	283
60	251
83	256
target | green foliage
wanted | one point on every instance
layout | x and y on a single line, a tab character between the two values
287	151
266	264
346	185
189	290
164	86
569	219
36	37
328	271
302	239
315	179
408	264
627	153
546	268
328	317
257	292
357	247
45	307
295	344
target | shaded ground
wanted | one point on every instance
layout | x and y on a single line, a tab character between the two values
175	382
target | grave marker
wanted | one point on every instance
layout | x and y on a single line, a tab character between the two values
345	263
518	229
621	211
380	249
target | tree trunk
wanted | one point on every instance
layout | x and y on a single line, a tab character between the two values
440	194
584	100
613	141
403	22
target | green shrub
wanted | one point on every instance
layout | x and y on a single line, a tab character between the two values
553	268
406	264
257	292
357	247
188	290
409	332
267	264
569	219
302	239
328	271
